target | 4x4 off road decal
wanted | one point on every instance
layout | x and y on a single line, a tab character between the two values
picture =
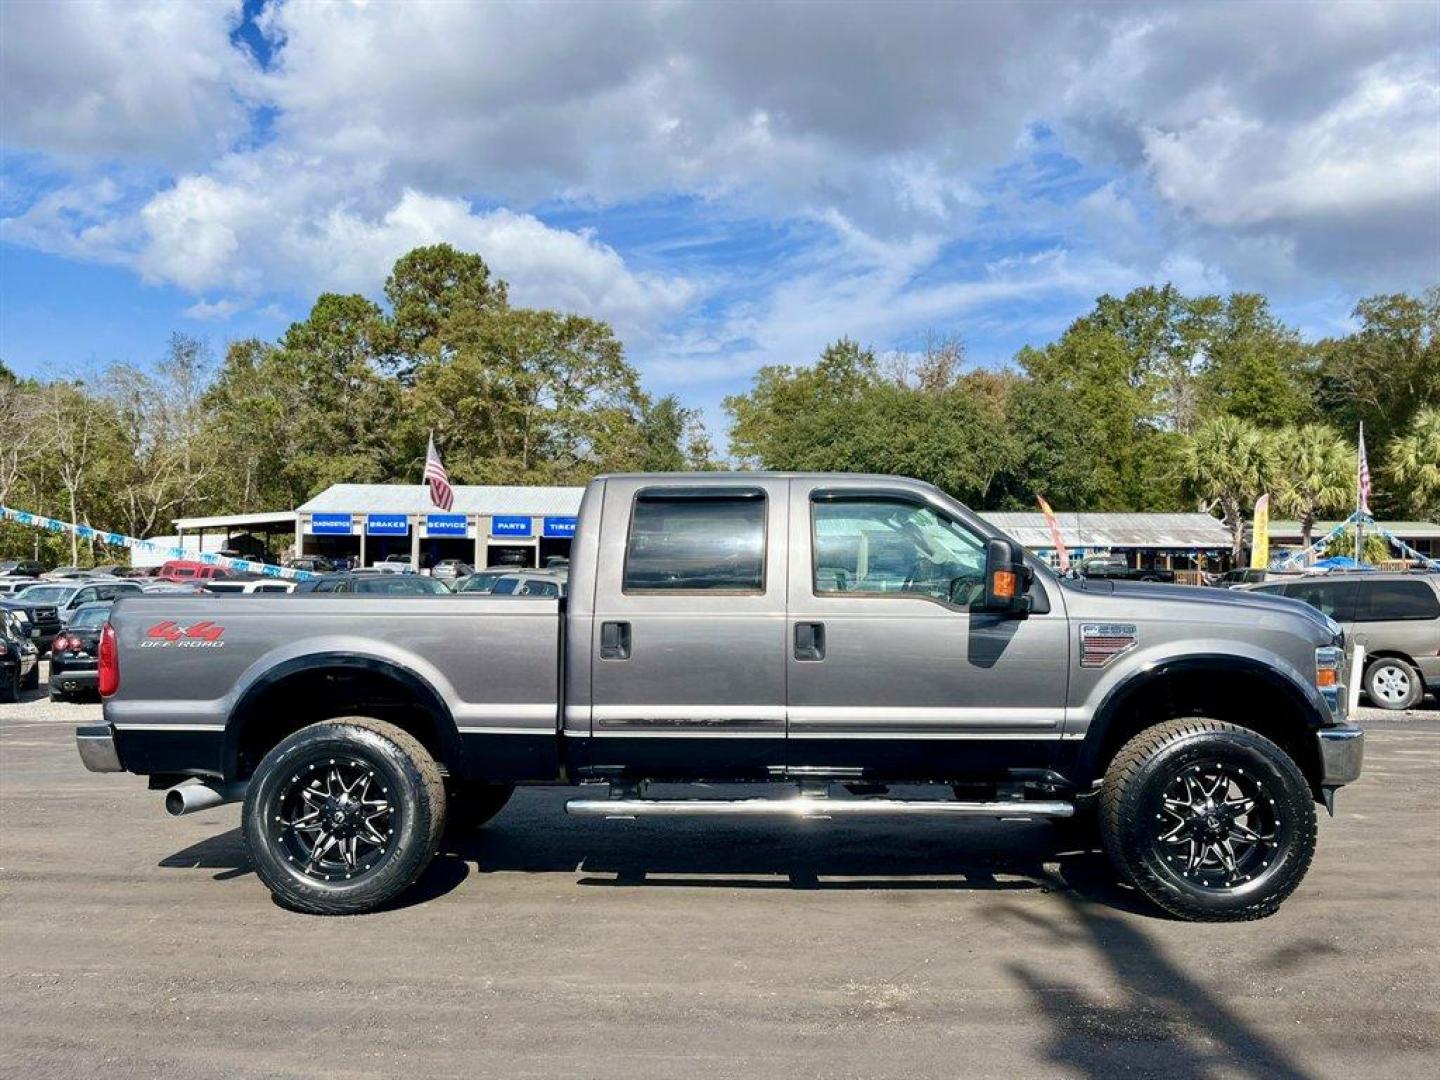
200	635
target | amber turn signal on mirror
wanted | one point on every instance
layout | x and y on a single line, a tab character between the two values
1002	584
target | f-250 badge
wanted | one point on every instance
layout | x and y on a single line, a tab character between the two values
200	635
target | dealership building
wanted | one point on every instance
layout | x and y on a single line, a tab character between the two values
368	523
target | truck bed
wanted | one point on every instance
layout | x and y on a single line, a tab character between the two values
191	665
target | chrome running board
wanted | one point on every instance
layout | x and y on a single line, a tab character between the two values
812	808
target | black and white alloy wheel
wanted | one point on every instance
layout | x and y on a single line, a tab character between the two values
343	816
1391	683
1211	821
1218	825
335	819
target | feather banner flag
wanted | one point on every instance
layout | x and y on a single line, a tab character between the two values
1054	527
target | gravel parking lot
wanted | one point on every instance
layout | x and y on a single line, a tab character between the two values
132	944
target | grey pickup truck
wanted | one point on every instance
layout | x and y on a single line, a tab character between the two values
827	635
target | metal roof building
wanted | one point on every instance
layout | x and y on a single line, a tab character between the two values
1172	532
469	499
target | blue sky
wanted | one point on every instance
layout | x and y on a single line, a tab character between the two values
729	185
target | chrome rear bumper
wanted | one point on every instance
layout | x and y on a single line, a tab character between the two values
96	744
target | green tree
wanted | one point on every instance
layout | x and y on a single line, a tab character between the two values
1314	474
672	438
1228	464
1385	372
1413	464
529	396
1254	367
427	289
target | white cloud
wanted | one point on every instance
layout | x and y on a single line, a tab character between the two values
1263	143
111	79
217	310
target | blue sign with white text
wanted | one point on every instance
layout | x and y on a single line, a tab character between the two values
510	525
387	525
446	524
560	527
330	524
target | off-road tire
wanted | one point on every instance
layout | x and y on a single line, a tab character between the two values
1132	814
10	688
1397	671
400	762
471	805
32	681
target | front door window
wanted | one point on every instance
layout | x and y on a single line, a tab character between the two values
878	546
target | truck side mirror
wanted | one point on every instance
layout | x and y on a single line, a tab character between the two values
1007	578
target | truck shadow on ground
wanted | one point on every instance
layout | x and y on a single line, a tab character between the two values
534	836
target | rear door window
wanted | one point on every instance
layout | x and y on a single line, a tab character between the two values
1334	598
709	542
1386	601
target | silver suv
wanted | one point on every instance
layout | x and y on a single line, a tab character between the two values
1395	615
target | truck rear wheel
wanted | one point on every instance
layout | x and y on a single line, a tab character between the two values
343	816
1211	821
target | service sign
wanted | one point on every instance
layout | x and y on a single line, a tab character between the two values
446	525
560	528
387	525
510	526
331	524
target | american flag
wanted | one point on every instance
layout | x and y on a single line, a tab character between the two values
1364	474
441	493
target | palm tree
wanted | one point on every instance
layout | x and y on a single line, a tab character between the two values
1414	463
1228	463
1315	473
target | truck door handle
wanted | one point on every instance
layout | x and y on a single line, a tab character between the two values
809	641
615	641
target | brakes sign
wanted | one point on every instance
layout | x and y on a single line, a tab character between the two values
200	635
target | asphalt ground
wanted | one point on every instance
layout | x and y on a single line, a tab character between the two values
133	944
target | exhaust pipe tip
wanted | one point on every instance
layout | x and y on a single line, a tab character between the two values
191	797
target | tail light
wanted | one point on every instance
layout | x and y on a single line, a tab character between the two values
109	665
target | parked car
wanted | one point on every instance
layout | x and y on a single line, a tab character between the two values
394	564
190	570
173	588
1394	615
249	583
74	655
21	568
1115	568
1247	576
451	569
9	586
483	581
742	627
65	573
42	619
19	658
371	582
537	583
316	564
67	596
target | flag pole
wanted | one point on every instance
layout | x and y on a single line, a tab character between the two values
1360	499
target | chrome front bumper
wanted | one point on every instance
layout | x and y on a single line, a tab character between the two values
1342	750
97	748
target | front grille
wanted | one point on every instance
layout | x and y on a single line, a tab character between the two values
46	618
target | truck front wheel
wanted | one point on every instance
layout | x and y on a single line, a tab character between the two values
343	816
1211	821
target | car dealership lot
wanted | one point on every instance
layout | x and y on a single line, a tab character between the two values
135	944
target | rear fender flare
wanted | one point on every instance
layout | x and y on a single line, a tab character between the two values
446	733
